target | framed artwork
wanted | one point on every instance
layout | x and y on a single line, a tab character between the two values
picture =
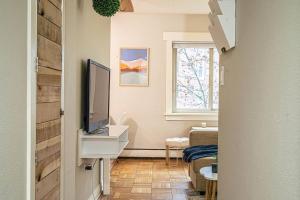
134	67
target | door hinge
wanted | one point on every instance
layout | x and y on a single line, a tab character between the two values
37	64
62	112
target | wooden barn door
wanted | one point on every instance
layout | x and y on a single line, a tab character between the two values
48	108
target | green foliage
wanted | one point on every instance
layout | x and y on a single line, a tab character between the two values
106	8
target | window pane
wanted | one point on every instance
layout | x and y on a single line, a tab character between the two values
192	79
215	103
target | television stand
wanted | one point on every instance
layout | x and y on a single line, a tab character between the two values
105	146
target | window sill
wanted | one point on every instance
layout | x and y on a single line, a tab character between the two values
192	116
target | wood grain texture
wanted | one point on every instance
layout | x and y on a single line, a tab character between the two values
48	127
48	77
145	190
49	53
48	71
49	30
143	179
47	184
41	165
150	179
47	94
50	168
45	153
48	143
50	12
163	195
57	3
47	112
47	130
53	194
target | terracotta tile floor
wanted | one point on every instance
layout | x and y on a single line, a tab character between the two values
149	179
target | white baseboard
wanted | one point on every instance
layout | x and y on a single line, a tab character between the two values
149	153
96	192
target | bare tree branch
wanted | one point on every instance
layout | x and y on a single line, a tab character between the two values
190	91
191	64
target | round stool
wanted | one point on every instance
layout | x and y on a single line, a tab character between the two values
175	143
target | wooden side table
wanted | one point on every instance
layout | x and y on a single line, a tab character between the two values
177	143
211	182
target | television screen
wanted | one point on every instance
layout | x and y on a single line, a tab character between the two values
98	86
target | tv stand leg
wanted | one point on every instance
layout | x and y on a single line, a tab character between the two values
106	176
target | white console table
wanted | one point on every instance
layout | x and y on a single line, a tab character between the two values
104	146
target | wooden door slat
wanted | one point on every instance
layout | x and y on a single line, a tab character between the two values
47	184
49	53
44	79
57	3
50	168
47	94
45	153
53	194
50	12
41	165
49	30
48	143
48	98
48	71
48	77
47	112
47	130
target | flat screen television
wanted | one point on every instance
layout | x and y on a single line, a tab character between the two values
96	114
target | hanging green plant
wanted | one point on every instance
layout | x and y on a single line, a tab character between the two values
106	8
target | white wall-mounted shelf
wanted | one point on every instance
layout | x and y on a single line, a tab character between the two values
222	19
96	146
103	146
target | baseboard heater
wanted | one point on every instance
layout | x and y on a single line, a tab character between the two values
149	153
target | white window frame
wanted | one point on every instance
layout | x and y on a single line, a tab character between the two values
170	38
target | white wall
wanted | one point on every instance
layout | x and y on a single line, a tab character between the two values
145	106
87	35
259	135
13	82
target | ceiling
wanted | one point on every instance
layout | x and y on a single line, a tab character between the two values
171	6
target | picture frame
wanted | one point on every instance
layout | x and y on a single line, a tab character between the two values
134	67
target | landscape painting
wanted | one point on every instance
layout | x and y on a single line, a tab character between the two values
134	66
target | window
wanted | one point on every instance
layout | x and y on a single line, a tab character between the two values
192	77
196	78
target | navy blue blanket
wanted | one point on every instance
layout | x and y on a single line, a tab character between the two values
202	151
